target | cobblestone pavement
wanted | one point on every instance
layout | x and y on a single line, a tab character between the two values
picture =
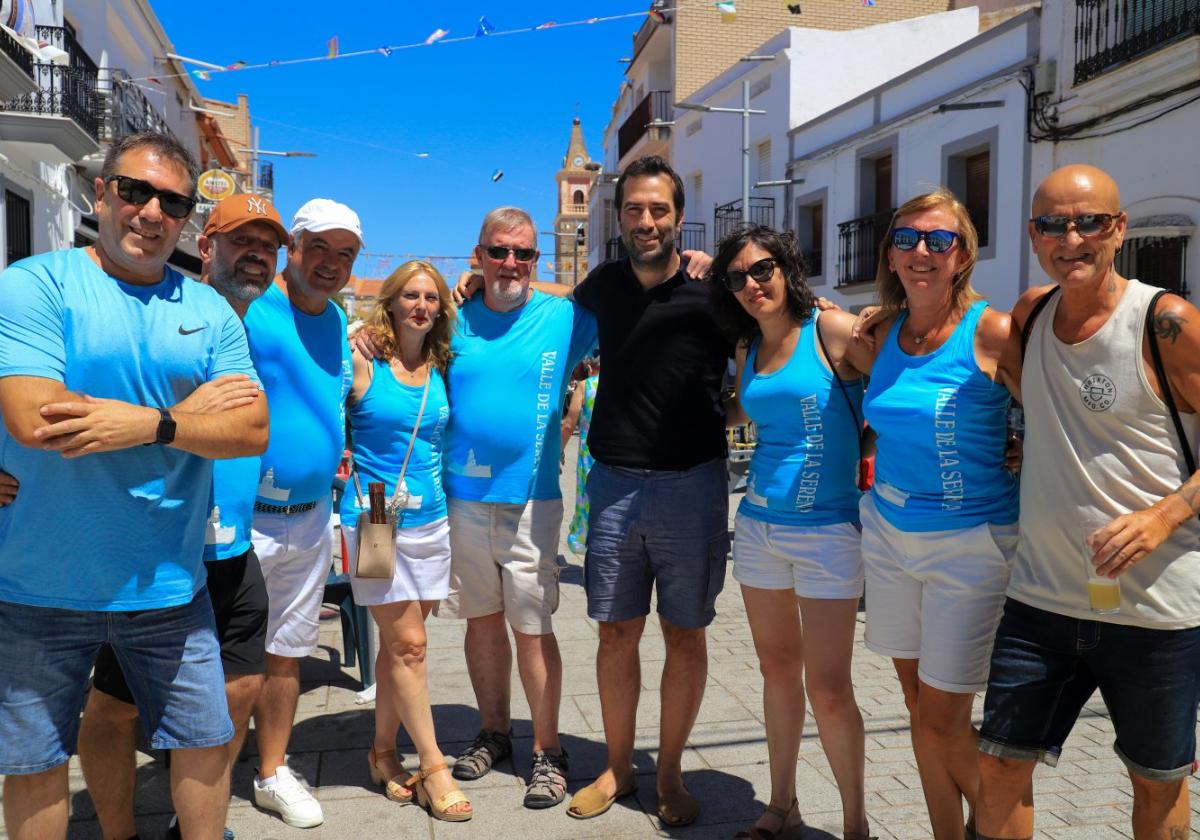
1086	796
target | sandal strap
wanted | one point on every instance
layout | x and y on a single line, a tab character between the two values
426	772
383	754
782	812
449	799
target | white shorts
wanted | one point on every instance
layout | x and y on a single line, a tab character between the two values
504	558
936	596
296	554
818	561
422	565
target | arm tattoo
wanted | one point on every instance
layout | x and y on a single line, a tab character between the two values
1168	326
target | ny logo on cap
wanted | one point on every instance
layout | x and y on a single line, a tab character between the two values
256	205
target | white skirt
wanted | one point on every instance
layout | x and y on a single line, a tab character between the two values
422	565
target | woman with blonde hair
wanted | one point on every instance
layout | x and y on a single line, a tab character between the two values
397	417
940	525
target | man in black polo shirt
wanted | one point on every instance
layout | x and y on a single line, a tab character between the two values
658	490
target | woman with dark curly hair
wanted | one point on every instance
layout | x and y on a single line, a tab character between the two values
796	538
397	415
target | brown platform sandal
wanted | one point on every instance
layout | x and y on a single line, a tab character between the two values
784	832
393	788
438	809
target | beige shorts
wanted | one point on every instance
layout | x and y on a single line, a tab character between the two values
504	558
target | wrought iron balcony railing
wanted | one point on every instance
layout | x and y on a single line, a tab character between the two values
614	249
692	237
812	262
1111	32
655	107
64	91
266	175
126	109
21	56
859	241
727	217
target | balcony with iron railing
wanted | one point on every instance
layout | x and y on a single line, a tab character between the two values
64	111
692	237
126	109
812	262
859	241
266	176
655	107
728	217
16	67
614	249
1111	32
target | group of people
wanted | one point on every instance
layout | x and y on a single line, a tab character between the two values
189	434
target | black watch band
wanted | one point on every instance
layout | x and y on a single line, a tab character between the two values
166	428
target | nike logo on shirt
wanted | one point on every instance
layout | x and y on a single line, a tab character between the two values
182	331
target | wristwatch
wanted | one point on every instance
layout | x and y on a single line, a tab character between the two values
166	428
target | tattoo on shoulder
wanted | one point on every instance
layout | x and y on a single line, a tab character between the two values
1168	326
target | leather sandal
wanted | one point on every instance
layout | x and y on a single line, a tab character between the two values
393	788
592	802
678	809
439	809
784	832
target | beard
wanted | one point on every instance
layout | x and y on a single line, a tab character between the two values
507	291
230	283
657	256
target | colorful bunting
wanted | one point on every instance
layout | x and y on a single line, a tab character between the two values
237	65
437	35
331	47
868	2
203	75
657	16
547	25
385	51
485	28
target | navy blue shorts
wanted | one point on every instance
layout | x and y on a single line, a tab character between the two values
661	530
1045	666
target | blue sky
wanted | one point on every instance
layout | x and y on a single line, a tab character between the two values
497	102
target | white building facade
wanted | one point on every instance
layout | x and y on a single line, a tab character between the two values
957	120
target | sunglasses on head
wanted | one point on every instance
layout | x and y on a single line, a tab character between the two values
500	253
937	241
761	271
137	191
1089	224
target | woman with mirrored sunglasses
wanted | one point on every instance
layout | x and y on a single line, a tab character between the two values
796	544
940	525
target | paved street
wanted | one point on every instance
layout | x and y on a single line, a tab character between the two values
1087	796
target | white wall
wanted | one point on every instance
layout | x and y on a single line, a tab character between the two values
802	86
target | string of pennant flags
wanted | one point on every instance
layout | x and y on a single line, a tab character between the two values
440	36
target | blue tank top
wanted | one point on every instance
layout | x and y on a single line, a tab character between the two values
381	426
942	427
805	466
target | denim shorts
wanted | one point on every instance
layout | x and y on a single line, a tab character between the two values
1045	666
170	657
666	530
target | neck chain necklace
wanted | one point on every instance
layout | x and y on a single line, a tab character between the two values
921	339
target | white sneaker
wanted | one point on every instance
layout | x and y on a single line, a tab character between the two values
289	798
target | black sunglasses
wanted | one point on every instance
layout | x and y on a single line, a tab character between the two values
761	271
937	241
137	191
1089	224
500	253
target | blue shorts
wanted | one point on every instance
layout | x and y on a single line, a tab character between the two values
1045	666
667	530
170	657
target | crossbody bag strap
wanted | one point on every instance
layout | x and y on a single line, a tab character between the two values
1168	398
841	385
1027	327
358	496
412	441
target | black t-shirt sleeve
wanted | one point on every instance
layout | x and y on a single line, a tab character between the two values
585	291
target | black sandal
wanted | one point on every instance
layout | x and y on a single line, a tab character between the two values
476	760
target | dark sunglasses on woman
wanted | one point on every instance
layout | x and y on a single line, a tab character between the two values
937	241
761	271
137	191
1089	224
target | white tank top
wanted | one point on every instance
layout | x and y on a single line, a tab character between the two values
1098	441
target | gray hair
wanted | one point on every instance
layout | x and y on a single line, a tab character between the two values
506	218
162	144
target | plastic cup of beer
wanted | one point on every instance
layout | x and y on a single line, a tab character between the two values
1104	593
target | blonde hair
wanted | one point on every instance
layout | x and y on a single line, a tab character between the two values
378	322
887	283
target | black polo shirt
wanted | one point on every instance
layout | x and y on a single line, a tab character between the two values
662	357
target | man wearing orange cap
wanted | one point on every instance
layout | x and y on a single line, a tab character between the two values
239	247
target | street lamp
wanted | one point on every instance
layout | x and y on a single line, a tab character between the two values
745	111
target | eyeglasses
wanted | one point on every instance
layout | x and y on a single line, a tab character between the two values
761	271
500	253
1089	224
937	241
137	191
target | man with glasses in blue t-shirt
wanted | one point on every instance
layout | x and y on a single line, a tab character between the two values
104	541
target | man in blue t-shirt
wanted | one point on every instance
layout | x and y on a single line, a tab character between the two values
513	356
99	347
298	341
238	250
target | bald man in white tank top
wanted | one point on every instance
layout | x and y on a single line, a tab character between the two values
1101	447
